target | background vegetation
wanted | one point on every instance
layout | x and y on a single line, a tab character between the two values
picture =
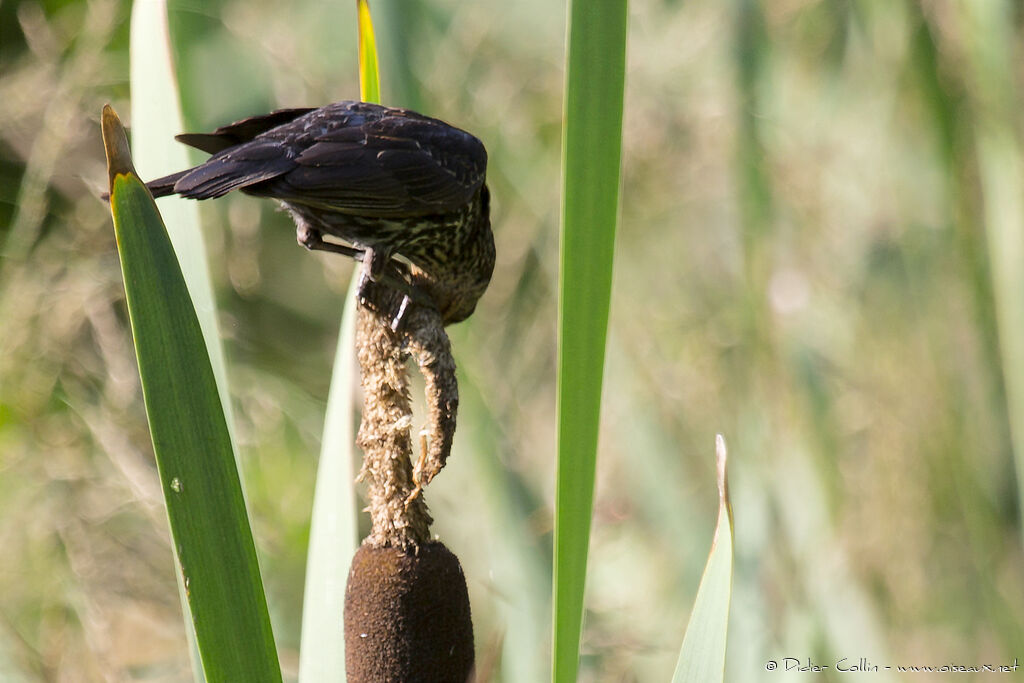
818	195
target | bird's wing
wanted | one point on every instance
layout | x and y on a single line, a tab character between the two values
349	157
402	165
240	131
234	169
238	160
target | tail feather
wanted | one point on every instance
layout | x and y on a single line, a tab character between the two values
162	187
242	167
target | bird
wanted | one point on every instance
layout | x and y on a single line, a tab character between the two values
403	193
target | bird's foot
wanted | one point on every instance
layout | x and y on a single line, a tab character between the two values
392	276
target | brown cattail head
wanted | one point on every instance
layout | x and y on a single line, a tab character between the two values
407	617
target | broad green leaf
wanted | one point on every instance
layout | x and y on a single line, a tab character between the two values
191	442
156	119
591	153
702	656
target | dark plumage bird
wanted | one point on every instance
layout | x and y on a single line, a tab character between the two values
404	193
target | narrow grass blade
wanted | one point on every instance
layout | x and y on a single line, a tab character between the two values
702	656
193	449
333	533
591	153
369	71
1002	180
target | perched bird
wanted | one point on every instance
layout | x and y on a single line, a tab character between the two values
404	193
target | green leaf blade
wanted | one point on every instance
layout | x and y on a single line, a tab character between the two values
369	71
591	156
333	533
702	655
191	441
157	117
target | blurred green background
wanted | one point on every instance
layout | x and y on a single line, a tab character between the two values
821	231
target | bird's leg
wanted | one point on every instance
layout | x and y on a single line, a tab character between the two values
374	264
372	270
377	267
313	240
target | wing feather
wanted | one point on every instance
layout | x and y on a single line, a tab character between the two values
399	165
240	131
234	169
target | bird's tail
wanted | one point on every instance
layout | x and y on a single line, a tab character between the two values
161	187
